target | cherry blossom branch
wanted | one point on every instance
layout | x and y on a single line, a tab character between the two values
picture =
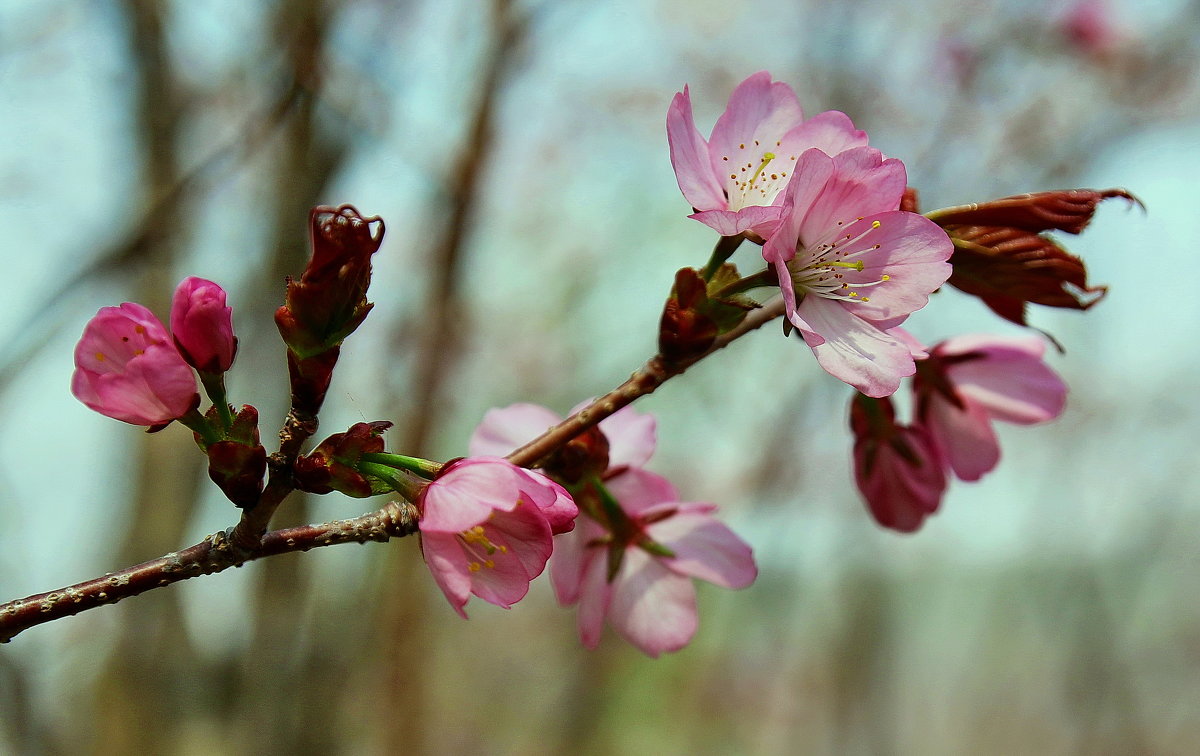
645	380
215	553
242	543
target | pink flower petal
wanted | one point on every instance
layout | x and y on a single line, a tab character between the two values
448	565
631	435
505	429
573	553
912	253
689	156
555	503
830	132
759	219
705	548
638	490
1010	379
964	437
595	600
813	171
467	493
522	545
899	493
652	607
758	109
854	350
862	184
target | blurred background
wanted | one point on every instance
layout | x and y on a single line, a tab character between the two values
517	152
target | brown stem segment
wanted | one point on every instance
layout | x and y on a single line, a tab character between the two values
215	553
645	380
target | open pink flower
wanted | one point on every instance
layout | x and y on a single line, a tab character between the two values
127	367
969	381
656	543
657	546
487	528
202	325
736	178
897	468
851	266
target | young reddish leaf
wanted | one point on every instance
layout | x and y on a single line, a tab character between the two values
1067	210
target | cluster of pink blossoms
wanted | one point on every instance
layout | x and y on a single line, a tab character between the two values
635	547
961	386
128	367
851	265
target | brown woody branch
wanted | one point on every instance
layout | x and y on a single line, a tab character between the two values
215	553
240	544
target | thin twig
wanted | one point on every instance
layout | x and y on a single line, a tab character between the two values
644	381
214	554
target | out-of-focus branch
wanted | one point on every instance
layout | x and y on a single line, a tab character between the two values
441	313
214	554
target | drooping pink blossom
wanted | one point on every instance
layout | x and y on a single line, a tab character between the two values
202	325
851	266
127	367
897	468
487	527
657	546
655	543
736	178
969	381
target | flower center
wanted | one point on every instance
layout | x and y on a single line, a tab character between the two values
750	183
480	548
822	270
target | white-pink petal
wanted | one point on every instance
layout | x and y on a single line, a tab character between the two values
467	494
504	429
653	607
852	349
964	437
689	156
705	548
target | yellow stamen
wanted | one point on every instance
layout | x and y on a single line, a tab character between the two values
767	157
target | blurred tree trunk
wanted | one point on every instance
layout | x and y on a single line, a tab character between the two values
145	678
282	709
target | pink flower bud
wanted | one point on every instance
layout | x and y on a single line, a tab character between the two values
127	368
203	325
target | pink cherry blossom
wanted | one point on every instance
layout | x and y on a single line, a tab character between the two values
202	325
897	468
487	528
658	543
736	178
969	381
127	367
650	600
851	266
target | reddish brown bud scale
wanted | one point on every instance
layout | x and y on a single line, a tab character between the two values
684	332
332	465
330	300
237	463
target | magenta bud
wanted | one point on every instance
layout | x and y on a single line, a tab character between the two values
202	325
